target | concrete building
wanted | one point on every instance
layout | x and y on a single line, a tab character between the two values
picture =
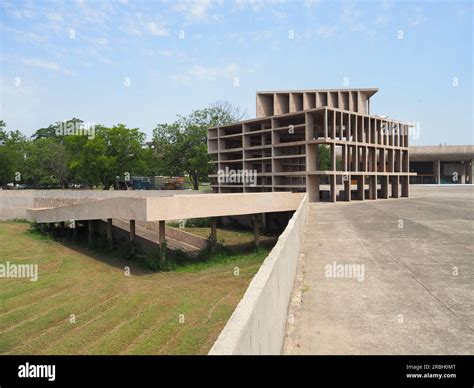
283	148
442	164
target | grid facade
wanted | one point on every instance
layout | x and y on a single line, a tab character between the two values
327	145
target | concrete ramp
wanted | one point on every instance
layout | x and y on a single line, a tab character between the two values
170	208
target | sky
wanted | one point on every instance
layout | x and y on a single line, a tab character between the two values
142	63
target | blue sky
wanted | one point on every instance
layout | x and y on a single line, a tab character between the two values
73	58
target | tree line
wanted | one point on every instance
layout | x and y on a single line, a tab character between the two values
72	152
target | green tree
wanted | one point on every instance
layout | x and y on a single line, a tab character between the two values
12	152
110	154
181	147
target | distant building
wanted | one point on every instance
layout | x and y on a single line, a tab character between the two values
442	164
283	149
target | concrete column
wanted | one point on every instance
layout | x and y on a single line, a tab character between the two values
360	187
333	157
394	182
347	187
161	232
332	179
132	237
110	234
384	186
90	227
325	123
214	228
373	187
132	231
437	171
470	170
256	230
405	186
355	162
312	187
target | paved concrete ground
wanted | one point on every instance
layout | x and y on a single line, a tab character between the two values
417	295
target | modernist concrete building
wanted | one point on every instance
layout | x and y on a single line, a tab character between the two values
284	145
442	164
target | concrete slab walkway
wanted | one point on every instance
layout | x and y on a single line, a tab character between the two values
415	288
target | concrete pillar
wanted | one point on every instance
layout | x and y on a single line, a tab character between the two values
437	171
214	228
394	182
373	187
470	171
360	187
355	162
256	230
132	237
384	186
312	187
347	187
405	186
161	232
90	230
332	179
110	234
333	157
132	231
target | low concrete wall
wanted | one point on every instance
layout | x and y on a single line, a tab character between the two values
258	324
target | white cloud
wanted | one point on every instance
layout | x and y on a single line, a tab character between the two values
311	3
157	29
206	73
326	31
195	9
351	18
165	53
55	16
101	42
257	5
212	73
47	65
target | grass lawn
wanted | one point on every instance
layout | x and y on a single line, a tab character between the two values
114	313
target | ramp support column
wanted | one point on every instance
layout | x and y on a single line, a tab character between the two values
110	234
257	222
90	228
161	231
132	237
214	228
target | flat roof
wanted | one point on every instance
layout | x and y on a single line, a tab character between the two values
369	91
441	152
